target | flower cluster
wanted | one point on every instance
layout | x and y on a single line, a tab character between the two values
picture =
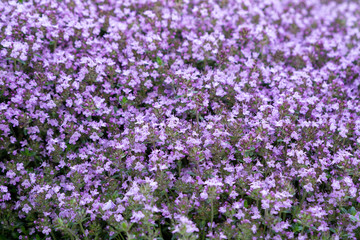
188	119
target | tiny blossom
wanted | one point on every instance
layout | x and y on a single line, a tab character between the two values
254	228
26	208
308	187
108	205
74	137
10	174
336	184
204	195
3	189
184	222
137	216
213	182
119	217
46	230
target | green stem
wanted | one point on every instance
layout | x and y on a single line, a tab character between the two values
150	235
161	235
167	198
82	230
212	215
121	236
53	235
70	233
129	228
301	202
197	118
203	233
302	230
266	214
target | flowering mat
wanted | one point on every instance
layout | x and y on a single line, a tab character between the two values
186	119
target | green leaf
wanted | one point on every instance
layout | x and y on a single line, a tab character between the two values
24	230
21	61
297	227
124	100
354	219
159	61
191	173
52	46
343	210
124	226
60	221
21	1
26	152
246	204
352	211
70	224
116	176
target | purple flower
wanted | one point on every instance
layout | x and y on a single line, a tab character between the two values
46	230
308	187
74	137
26	208
137	216
204	195
108	205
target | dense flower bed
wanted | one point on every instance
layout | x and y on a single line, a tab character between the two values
186	119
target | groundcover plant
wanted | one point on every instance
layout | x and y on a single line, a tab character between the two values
186	119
